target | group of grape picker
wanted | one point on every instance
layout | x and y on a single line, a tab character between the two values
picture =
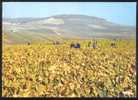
93	45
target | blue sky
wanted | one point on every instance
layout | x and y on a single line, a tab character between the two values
122	13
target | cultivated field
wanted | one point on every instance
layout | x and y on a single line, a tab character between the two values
43	69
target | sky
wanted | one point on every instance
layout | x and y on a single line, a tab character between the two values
121	13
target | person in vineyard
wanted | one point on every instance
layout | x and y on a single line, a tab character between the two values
113	44
77	45
72	45
95	44
28	43
89	44
56	42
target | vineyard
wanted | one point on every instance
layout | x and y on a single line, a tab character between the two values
60	71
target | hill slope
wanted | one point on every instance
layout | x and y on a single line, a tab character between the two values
21	30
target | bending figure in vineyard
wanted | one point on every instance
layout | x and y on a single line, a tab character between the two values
77	45
72	45
56	42
28	43
113	45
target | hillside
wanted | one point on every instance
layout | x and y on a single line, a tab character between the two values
22	30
